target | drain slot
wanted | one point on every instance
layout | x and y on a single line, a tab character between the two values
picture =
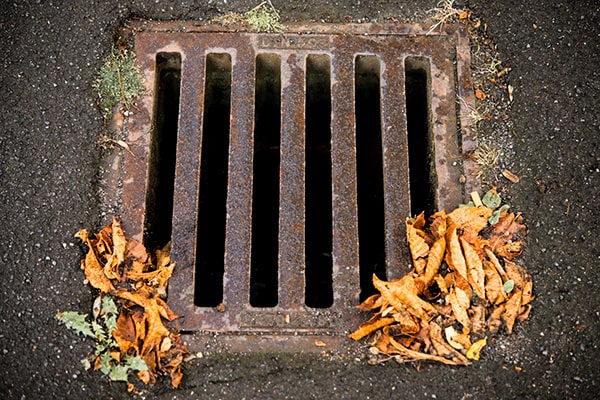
210	254
162	157
318	273
265	195
369	164
421	153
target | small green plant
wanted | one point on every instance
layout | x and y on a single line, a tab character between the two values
106	356
119	79
262	18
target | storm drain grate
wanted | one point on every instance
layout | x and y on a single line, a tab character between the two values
283	166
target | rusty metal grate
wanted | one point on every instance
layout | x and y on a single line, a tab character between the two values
279	166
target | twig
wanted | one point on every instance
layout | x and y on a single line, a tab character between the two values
122	91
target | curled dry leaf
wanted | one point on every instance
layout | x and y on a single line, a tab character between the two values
465	260
506	237
459	302
454	256
94	272
403	294
475	274
418	246
435	259
494	292
370	326
475	349
473	218
512	307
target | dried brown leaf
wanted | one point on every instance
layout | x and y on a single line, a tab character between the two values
460	303
437	225
512	307
139	320
419	221
434	261
418	246
459	341
125	334
176	376
441	282
475	274
524	312
144	376
137	251
454	256
478	258
370	326
119	241
506	237
516	273
476	218
155	328
510	176
372	302
443	349
163	256
403	293
478	324
496	263
527	295
493	284
407	324
494	321
92	268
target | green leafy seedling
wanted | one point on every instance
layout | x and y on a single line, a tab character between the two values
77	322
101	329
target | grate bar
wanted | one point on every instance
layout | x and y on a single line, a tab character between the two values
396	178
188	159
291	196
238	230
345	213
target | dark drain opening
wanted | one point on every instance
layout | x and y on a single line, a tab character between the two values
210	247
421	156
369	164
265	192
163	143
318	273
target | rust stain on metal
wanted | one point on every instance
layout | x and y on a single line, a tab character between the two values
291	325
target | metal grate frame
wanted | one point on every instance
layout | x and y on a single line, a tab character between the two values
291	325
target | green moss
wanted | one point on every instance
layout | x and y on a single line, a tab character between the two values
264	18
119	80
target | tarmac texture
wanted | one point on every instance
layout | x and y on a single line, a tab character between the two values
49	189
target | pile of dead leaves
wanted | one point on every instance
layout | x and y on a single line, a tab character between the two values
123	269
464	286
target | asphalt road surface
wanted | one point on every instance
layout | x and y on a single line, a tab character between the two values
49	162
